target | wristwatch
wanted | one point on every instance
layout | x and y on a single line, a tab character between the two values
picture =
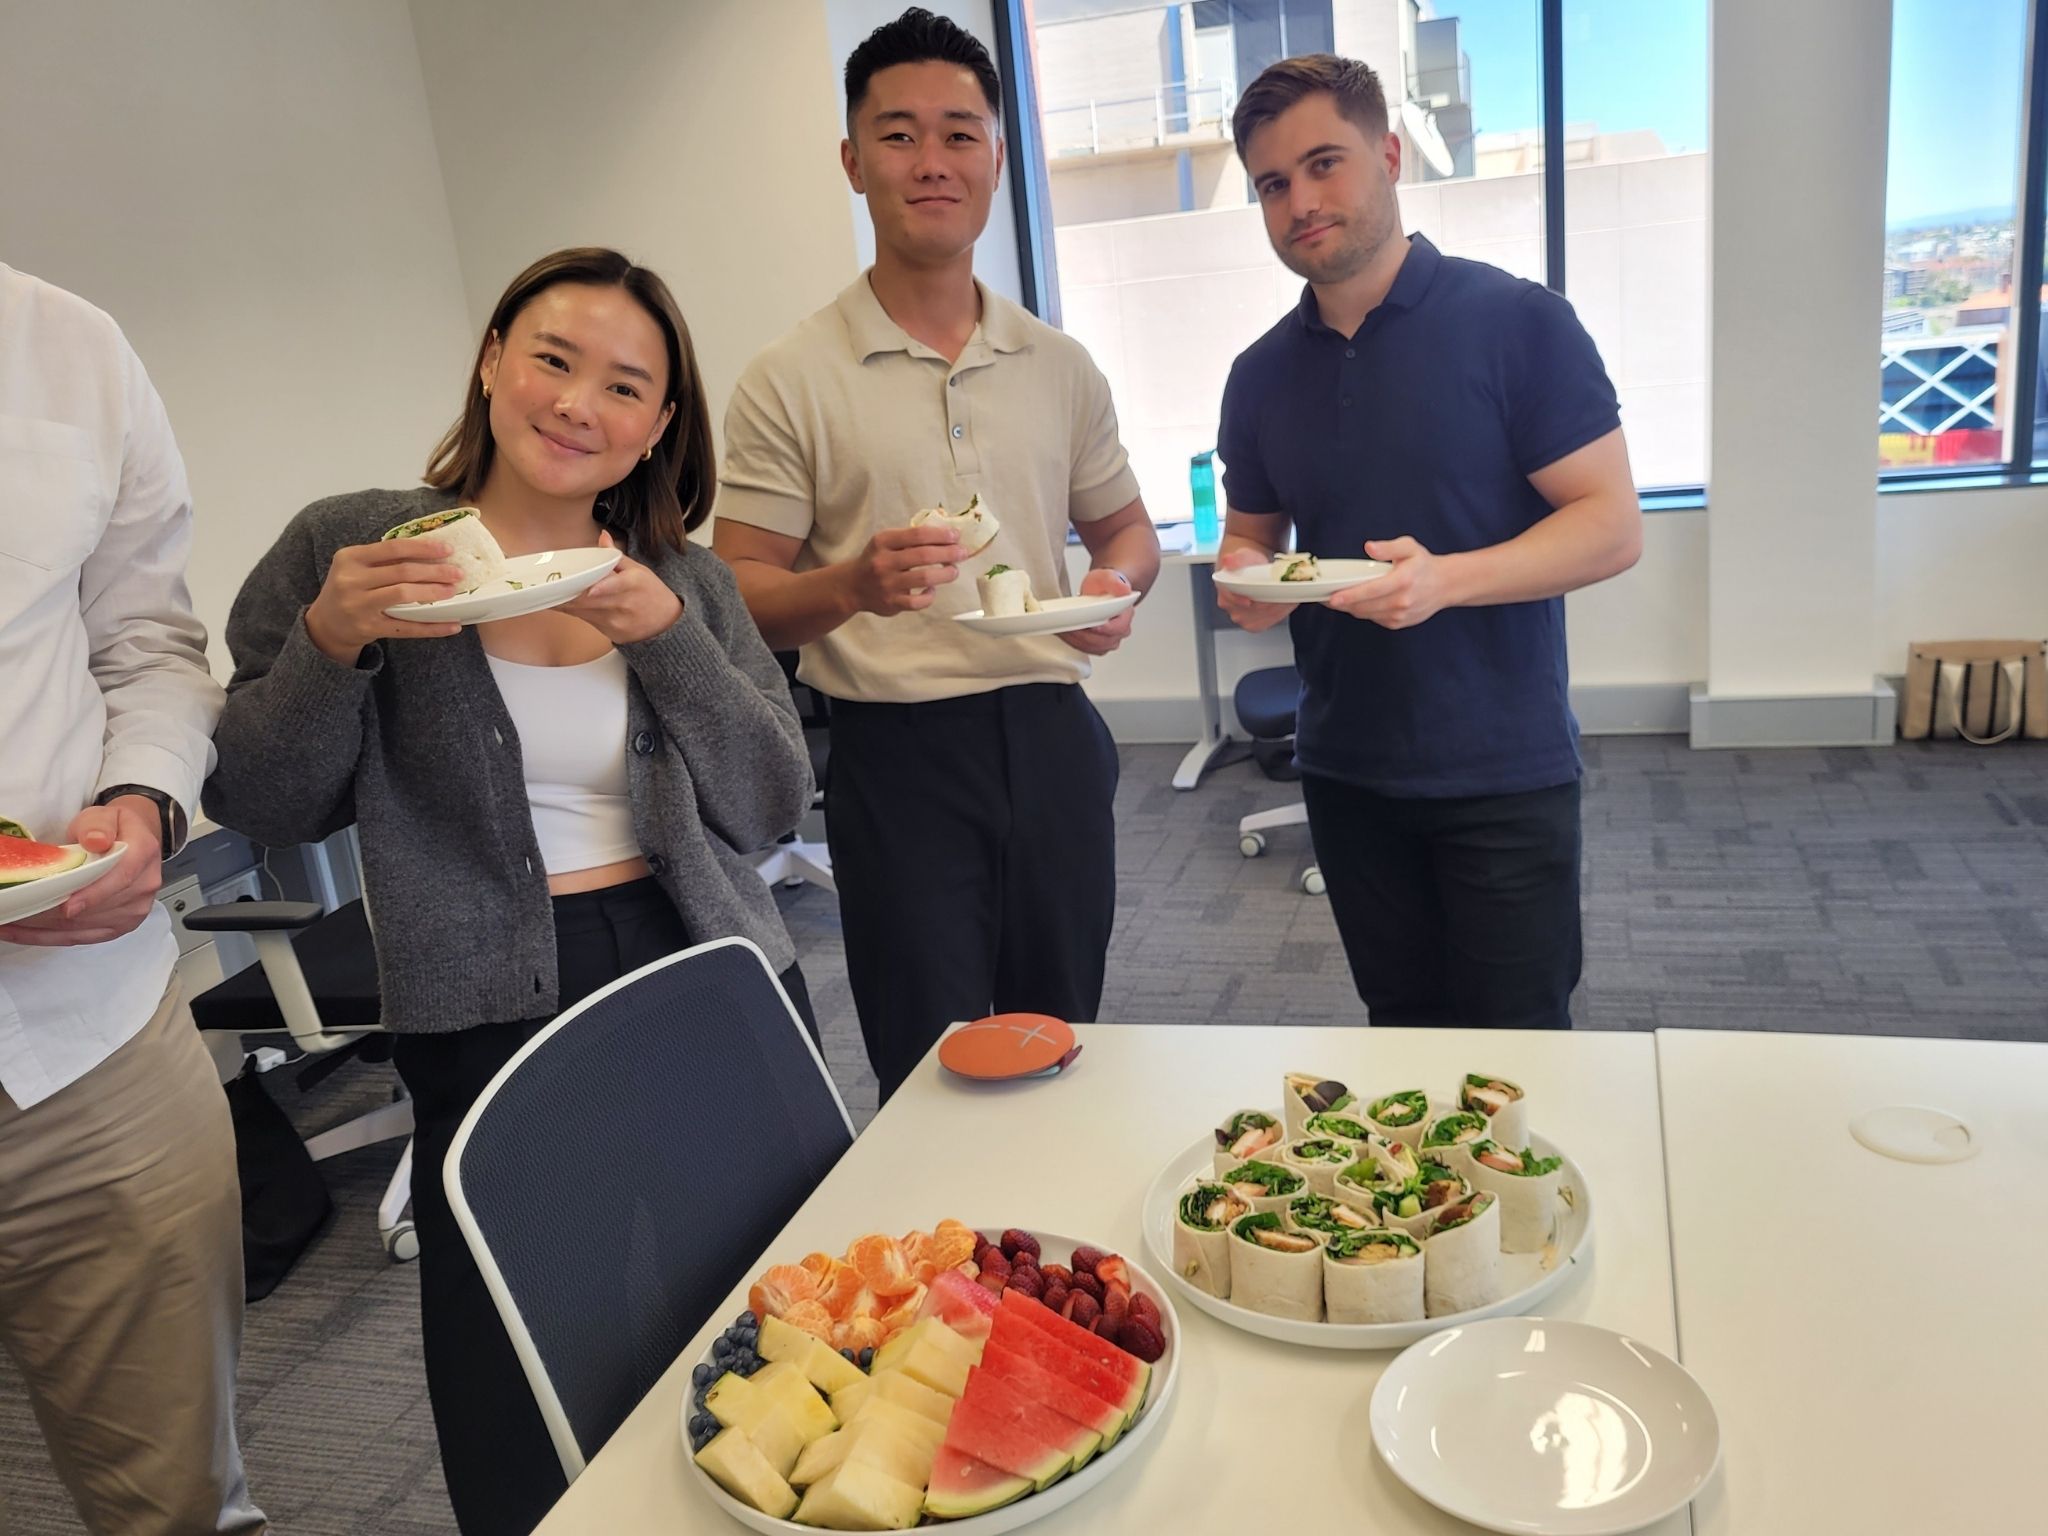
170	814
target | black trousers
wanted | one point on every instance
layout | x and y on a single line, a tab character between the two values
974	846
500	1466
1458	912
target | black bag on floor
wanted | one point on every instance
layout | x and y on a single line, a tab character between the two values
284	1200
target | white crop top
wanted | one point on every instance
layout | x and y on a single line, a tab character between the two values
572	736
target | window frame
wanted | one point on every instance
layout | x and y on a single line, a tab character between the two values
1031	196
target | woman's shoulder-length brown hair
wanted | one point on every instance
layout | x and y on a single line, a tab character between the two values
666	496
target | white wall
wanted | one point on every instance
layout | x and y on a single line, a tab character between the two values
700	139
1959	565
251	190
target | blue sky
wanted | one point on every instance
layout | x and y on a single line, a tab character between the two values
1643	64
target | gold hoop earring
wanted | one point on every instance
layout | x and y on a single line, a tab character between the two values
487	391
646	456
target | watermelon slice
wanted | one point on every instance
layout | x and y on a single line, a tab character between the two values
996	1424
961	1486
966	1306
1063	1397
1121	1364
1120	1390
23	859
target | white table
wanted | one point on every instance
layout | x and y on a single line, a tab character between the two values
1874	1334
1076	1153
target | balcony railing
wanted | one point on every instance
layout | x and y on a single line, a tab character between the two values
1174	112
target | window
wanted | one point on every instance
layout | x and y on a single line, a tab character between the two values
1159	258
1951	311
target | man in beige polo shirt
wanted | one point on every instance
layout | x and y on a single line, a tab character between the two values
969	794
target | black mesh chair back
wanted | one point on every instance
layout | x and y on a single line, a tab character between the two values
626	1169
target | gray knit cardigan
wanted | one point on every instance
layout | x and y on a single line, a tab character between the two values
414	746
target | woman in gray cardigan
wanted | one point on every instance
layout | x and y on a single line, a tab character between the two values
544	804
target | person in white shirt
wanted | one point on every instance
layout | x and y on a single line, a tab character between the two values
120	1212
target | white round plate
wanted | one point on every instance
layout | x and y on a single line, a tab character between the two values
1263	583
1055	616
1530	1276
20	901
1544	1428
1033	1506
530	583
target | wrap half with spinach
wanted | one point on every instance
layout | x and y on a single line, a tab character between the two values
1246	1134
471	549
1503	1104
1303	1094
1400	1116
1338	1125
1462	1257
1201	1236
1450	1136
1373	1277
1323	1218
1275	1271
1265	1186
1526	1186
1317	1159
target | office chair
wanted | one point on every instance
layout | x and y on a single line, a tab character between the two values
620	1175
1265	702
316	980
794	860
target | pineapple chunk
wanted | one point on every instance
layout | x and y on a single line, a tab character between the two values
887	1442
903	1418
776	1434
740	1468
860	1497
794	1396
848	1401
735	1401
827	1369
930	1362
930	1333
908	1392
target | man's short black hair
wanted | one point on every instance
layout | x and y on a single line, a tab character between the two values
919	37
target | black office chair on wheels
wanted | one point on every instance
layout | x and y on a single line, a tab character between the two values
1265	702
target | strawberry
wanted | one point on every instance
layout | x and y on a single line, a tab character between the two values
1113	1271
1116	1303
1085	1259
1027	1281
995	1270
1142	1339
1016	1241
1146	1310
1055	1295
1089	1284
1057	1272
1081	1309
1105	1329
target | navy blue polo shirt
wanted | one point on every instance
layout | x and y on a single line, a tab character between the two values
1427	423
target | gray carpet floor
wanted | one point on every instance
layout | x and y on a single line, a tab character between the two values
1902	891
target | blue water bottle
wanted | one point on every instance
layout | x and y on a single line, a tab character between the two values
1202	487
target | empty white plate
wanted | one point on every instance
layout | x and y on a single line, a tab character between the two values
20	901
1055	616
1544	1428
1263	582
530	583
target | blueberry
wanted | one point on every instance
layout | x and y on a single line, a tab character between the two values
703	1426
722	1351
750	1336
746	1362
746	1320
704	1375
850	1357
867	1358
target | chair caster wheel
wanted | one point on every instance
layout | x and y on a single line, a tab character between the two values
1252	844
1312	881
402	1243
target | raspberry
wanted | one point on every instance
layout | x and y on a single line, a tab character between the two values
1142	1339
1146	1310
1055	1295
1085	1259
1027	1281
1113	1271
1105	1329
1081	1309
1016	1241
1056	1272
1116	1303
1089	1284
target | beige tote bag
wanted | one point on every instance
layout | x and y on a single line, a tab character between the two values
1985	691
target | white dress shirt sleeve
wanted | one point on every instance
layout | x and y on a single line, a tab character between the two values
148	650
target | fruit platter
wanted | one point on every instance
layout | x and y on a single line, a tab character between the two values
976	1380
1351	1220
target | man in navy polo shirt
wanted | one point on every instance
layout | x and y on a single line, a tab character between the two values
1455	421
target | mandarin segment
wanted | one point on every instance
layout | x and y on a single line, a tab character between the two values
811	1317
879	1258
781	1287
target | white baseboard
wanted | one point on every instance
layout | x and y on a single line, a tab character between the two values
1865	719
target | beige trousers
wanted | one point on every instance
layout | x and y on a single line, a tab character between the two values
121	1285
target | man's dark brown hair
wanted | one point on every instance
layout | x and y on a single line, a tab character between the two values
1355	88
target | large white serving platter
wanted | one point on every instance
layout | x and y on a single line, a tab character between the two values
1531	1276
1055	1249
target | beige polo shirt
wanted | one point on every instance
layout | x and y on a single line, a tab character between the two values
848	425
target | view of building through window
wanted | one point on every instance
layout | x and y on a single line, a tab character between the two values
1951	233
1163	266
